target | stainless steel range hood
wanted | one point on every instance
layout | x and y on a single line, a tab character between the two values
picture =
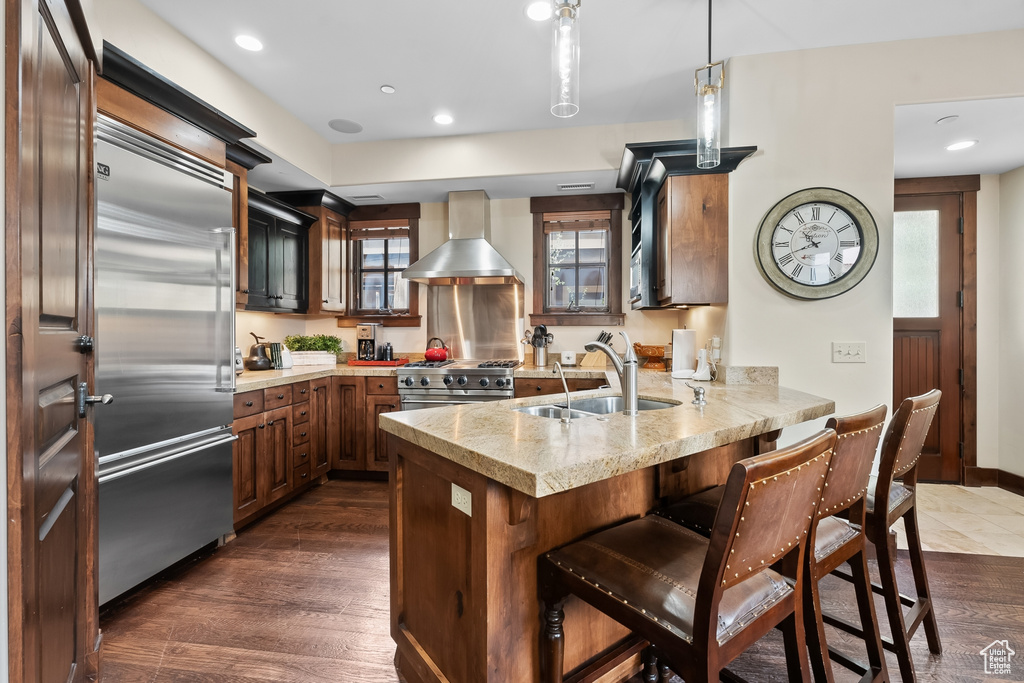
467	258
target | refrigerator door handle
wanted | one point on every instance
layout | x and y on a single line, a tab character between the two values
103	478
84	399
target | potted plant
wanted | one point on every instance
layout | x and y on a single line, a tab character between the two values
316	349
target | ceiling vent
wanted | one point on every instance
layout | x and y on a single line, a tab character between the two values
367	198
575	187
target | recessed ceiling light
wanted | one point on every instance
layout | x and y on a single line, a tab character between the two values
345	126
387	89
249	43
539	11
963	144
947	119
443	119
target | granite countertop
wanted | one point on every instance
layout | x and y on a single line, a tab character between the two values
540	456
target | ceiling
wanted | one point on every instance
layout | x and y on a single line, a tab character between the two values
488	65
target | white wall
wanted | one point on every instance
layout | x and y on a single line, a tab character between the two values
1011	321
989	295
825	118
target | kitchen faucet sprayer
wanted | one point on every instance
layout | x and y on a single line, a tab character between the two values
627	369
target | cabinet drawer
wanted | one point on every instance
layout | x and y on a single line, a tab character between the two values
382	385
300	391
275	397
249	403
300	456
300	413
300	477
300	434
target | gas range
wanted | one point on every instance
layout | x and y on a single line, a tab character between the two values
427	383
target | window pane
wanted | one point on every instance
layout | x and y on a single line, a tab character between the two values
594	246
915	276
371	293
372	253
398	292
561	247
398	253
561	288
593	286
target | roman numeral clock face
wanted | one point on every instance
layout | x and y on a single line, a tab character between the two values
816	243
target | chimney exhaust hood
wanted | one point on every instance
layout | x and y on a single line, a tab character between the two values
467	258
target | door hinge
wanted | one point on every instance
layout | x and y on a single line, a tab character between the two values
960	299
960	226
961	448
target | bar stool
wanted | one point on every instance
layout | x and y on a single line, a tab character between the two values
700	601
836	541
896	483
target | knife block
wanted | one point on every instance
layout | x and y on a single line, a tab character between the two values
594	359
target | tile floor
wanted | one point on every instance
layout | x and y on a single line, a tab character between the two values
974	520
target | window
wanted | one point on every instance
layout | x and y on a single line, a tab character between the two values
577	272
384	242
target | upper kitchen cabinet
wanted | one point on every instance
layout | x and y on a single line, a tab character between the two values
277	246
680	223
328	241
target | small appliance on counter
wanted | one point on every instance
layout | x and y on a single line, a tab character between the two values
366	341
539	340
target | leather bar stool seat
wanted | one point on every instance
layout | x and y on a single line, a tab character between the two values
897	494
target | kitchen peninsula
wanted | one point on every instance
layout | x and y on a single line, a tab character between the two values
478	492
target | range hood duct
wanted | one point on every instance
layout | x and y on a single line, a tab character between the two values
467	258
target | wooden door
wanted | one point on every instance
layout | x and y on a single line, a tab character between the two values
927	305
293	291
276	467
376	438
246	457
333	266
663	267
52	489
320	424
346	404
259	254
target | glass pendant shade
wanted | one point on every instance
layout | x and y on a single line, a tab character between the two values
709	83
565	60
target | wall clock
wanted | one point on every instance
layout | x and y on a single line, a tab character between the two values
816	243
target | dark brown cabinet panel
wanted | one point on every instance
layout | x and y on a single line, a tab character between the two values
276	468
540	387
346	405
245	464
258	294
322	425
693	240
278	255
376	438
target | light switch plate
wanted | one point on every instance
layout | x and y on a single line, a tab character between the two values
462	499
849	352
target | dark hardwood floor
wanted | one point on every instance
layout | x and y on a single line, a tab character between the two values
302	596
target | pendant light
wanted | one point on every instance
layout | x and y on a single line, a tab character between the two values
708	82
565	59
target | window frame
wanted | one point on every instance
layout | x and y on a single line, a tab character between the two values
614	203
404	218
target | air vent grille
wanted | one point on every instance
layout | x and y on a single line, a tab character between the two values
366	198
575	187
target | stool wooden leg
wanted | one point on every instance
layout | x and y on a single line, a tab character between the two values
814	629
796	645
868	619
885	550
924	597
650	659
552	642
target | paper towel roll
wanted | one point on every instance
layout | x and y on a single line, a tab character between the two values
684	353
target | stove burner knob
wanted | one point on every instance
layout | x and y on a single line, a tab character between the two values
448	379
425	381
500	383
484	382
408	381
462	380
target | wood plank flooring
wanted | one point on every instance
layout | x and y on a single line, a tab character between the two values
302	596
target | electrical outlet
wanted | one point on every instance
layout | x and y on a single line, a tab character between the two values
462	499
849	352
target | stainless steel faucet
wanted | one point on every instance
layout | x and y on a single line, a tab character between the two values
627	368
567	410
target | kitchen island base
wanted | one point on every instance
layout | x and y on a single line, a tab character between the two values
464	605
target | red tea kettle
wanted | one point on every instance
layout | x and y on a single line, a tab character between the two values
436	352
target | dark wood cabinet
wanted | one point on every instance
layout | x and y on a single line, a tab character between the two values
539	387
693	240
322	426
328	244
346	405
278	258
376	438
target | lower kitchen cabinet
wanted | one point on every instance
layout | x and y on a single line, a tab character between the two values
346	441
377	439
539	387
322	427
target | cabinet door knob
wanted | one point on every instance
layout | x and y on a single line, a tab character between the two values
302	391
270	422
302	434
248	404
304	475
280	396
245	291
317	388
303	413
327	301
262	426
380	386
539	388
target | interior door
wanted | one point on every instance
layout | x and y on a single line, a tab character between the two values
927	308
51	487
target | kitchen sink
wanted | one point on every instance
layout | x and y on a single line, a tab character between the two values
551	411
604	405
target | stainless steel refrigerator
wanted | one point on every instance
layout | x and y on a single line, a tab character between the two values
164	284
